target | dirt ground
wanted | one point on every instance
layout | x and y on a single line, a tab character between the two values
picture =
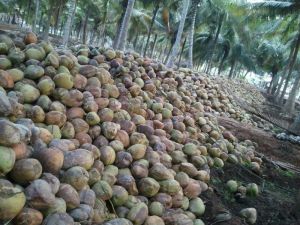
275	204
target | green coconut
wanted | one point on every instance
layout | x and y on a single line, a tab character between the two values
35	53
7	159
29	93
156	209
63	80
232	186
16	56
170	186
12	201
119	195
3	48
190	149
197	206
5	63
92	118
148	186
16	74
34	72
102	190
46	86
138	214
252	190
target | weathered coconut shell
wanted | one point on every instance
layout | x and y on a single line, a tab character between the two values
76	176
138	213
29	216
26	170
7	159
51	158
12	200
70	195
78	157
39	195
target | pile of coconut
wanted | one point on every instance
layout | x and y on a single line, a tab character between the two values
97	136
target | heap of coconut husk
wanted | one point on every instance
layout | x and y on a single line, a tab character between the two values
97	136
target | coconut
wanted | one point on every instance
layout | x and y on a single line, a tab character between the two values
102	190
119	195
232	186
39	195
58	218
12	200
52	159
156	209
26	170
249	214
70	196
252	190
137	151
148	187
76	176
87	197
31	216
138	213
78	157
7	159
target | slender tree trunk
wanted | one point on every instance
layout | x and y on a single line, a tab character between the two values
135	41
191	32
181	53
297	46
168	54
222	16
151	27
142	44
277	93
121	41
36	14
290	103
153	46
47	27
162	52
231	69
222	63
68	25
176	46
58	18
85	25
275	83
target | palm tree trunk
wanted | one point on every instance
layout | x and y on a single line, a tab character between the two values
84	34
231	70
135	41
176	46
290	103
191	32
277	93
121	41
153	46
151	26
47	27
222	63
68	25
168	54
36	14
222	16
297	46
181	53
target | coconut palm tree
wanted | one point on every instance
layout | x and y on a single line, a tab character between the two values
121	40
68	24
193	12
175	48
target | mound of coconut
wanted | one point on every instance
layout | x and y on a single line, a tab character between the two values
103	137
